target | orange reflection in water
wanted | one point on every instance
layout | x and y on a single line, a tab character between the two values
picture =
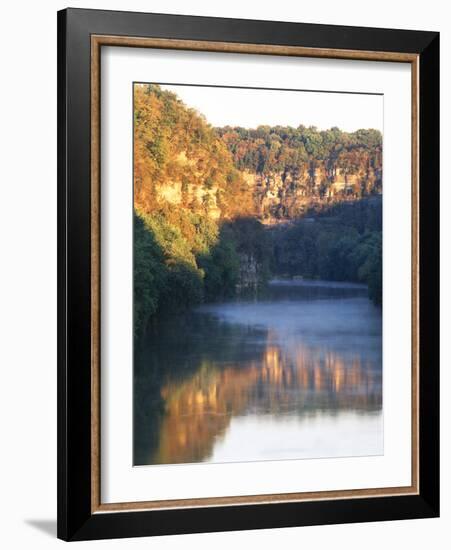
298	382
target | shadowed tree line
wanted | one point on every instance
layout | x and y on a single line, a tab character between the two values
175	269
341	243
182	259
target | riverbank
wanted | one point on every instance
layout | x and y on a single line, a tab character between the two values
314	283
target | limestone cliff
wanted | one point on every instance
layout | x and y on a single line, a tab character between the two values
275	174
281	196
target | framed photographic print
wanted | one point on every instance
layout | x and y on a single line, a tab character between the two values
248	274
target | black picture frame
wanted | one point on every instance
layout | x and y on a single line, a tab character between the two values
76	521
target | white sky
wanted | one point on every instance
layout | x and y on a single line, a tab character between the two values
251	108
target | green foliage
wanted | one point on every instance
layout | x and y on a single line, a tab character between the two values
183	289
149	274
369	253
221	268
166	276
337	245
182	258
251	240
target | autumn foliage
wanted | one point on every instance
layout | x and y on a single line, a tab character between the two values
201	193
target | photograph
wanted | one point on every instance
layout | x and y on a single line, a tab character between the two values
257	274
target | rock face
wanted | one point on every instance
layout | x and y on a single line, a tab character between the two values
290	170
249	275
281	196
196	196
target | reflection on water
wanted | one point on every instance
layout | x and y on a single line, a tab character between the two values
294	374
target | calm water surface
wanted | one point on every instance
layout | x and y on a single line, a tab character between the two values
295	373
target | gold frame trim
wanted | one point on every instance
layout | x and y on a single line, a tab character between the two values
97	41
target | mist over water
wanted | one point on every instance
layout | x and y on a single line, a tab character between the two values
293	373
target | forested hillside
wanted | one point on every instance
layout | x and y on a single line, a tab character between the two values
292	169
342	243
203	197
194	213
180	159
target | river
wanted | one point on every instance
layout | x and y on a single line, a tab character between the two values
293	373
